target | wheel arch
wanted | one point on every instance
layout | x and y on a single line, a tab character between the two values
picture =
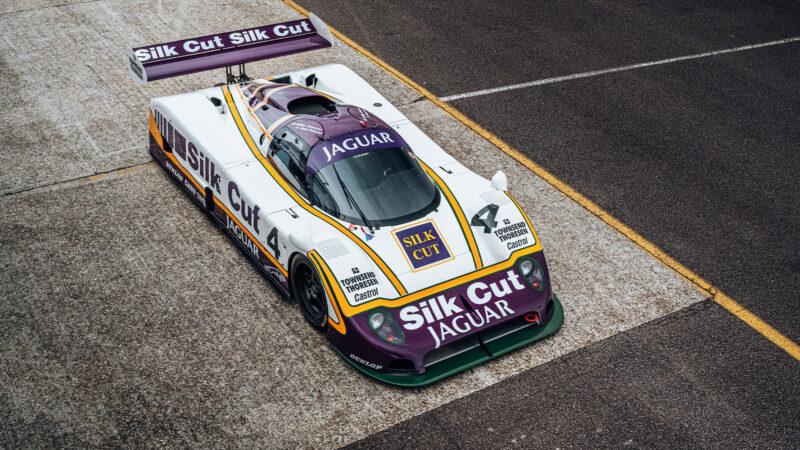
293	258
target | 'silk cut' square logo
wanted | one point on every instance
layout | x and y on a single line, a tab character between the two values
422	244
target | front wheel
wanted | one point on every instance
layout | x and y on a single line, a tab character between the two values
307	288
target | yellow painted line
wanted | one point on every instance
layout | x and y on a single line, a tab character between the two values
695	280
758	324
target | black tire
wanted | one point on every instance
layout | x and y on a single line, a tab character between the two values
307	288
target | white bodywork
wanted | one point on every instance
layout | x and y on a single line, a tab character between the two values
245	186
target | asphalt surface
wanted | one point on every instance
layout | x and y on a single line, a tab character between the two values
672	383
127	319
701	157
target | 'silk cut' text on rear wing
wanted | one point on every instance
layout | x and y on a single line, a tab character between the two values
170	59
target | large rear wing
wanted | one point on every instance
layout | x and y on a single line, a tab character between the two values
170	59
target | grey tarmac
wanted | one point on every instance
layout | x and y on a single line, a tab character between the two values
127	318
698	156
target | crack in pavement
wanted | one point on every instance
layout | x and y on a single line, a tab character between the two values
85	179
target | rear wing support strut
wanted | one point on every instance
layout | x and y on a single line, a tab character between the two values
230	78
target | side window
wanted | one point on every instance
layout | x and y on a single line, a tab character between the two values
319	195
288	149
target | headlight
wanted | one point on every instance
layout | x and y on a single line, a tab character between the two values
375	321
532	272
383	324
526	266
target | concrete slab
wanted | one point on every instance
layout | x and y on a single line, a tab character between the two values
76	110
126	314
127	318
12	6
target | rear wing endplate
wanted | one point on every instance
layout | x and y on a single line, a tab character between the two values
171	59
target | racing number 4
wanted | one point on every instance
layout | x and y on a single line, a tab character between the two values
272	242
487	223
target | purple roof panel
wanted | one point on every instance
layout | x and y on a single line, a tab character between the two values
350	144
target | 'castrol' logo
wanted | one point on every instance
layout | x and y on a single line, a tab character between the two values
445	319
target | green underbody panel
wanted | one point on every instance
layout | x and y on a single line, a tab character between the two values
474	356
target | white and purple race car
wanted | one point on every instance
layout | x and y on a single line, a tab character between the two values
413	266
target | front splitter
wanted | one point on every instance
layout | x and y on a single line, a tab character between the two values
471	357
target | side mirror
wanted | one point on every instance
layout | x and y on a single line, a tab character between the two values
311	80
302	239
500	181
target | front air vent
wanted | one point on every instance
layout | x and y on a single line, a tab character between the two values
450	350
282	80
332	248
400	367
315	105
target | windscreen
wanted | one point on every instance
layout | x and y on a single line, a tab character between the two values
386	187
